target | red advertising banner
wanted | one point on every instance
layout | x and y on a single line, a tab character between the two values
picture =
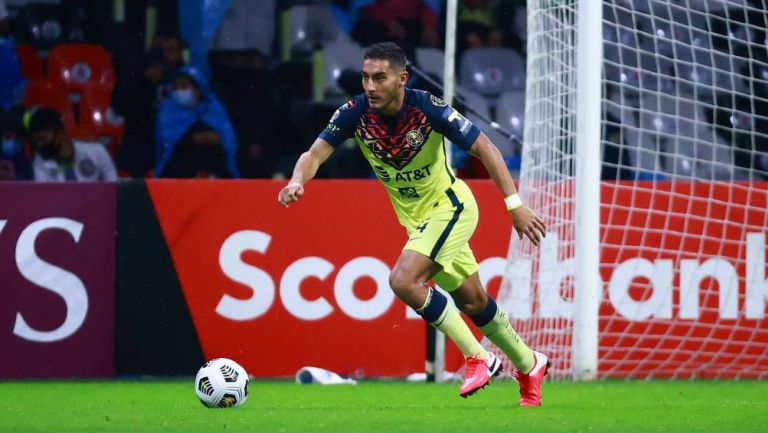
685	280
278	289
57	249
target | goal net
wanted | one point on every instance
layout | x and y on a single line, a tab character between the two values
682	192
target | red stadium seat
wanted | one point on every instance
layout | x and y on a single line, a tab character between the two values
77	66
46	94
52	95
96	115
31	63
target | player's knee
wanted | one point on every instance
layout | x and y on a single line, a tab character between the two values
472	305
397	281
401	283
471	308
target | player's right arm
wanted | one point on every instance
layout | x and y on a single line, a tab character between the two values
340	127
305	169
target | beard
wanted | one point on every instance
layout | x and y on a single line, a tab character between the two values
48	150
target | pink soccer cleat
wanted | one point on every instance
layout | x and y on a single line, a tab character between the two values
530	383
478	373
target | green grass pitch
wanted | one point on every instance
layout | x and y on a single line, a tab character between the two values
373	406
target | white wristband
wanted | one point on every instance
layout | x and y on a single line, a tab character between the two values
513	201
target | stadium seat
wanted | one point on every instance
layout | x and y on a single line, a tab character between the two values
622	110
742	37
656	71
491	71
336	57
52	95
628	60
706	77
466	98
31	63
306	27
628	78
77	66
431	61
510	114
743	125
474	100
96	115
684	137
480	105
42	24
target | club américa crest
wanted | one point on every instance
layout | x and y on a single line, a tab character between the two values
414	138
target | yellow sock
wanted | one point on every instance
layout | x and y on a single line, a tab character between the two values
451	324
500	332
447	320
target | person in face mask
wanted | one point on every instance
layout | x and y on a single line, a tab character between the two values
185	91
193	134
60	158
15	163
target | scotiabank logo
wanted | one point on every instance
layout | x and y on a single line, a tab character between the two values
552	304
263	286
660	277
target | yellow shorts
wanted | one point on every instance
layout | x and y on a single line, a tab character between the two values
443	236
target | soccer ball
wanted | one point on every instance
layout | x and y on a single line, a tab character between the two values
221	382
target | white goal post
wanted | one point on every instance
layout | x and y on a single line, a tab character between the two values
645	151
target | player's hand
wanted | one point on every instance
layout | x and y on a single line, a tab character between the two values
290	193
527	223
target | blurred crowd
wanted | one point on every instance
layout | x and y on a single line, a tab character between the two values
62	119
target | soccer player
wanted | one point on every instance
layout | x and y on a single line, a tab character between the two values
400	131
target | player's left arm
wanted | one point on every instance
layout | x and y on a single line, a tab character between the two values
526	221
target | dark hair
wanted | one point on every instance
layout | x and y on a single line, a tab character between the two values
389	51
45	119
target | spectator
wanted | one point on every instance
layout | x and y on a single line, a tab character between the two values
477	25
409	23
241	61
15	163
11	82
164	56
244	84
193	134
59	158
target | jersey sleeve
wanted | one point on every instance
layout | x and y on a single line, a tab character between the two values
343	123
448	121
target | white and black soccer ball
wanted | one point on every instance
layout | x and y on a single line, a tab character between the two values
221	382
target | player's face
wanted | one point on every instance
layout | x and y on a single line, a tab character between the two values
173	51
47	142
383	85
